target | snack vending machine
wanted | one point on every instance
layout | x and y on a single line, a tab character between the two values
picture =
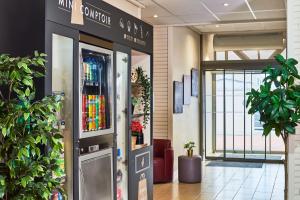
96	123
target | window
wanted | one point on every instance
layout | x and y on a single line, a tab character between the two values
233	56
252	54
284	53
220	55
266	54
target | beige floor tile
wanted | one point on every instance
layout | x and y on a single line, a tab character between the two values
228	184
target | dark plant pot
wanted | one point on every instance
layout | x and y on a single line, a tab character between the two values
190	152
140	139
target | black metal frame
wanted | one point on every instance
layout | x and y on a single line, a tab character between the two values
131	154
224	66
53	28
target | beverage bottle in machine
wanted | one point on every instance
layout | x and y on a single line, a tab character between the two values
94	112
84	117
97	112
90	112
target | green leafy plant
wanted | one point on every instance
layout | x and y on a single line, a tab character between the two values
145	85
278	103
135	101
30	141
189	146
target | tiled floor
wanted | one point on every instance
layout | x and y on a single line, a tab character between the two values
226	183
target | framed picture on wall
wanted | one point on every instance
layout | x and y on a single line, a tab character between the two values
177	97
195	82
187	89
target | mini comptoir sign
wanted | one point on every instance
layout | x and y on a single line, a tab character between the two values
80	10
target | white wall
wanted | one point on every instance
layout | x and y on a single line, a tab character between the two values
293	38
126	7
184	54
208	47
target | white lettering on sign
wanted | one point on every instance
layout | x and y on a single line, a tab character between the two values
90	11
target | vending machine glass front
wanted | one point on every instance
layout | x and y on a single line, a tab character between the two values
96	75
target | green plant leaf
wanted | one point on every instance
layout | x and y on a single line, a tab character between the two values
27	82
2	186
26	116
23	182
4	131
27	92
267	129
280	59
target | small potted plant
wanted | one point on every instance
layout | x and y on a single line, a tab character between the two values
189	147
137	132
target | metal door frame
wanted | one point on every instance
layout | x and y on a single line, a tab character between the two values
225	66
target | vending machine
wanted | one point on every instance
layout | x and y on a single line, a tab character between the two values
96	119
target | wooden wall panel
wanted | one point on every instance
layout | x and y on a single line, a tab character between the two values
160	83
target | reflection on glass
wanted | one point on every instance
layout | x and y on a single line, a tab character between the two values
62	75
122	96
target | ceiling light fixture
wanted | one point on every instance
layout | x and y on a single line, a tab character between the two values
217	26
226	4
155	16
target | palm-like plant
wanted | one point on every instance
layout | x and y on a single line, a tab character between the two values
278	103
30	142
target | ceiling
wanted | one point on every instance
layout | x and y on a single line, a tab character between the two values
214	16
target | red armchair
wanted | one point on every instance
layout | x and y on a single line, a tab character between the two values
163	161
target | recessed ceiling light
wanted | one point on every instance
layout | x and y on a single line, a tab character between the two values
217	26
226	4
155	16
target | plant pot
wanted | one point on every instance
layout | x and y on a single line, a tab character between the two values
190	152
133	142
140	139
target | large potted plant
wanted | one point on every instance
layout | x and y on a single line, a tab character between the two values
278	103
31	145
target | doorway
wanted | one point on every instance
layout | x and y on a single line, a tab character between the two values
230	132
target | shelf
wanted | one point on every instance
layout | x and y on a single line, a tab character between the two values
96	133
140	146
137	115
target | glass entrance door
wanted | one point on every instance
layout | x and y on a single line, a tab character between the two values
230	132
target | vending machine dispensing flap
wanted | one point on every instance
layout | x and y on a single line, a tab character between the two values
96	176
